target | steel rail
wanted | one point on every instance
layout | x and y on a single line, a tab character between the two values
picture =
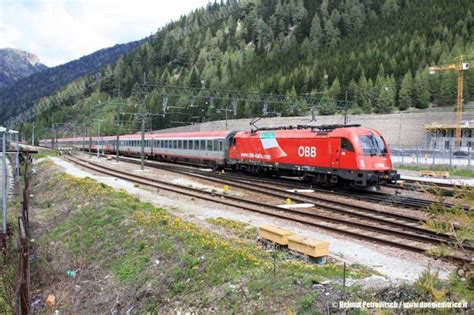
302	217
372	214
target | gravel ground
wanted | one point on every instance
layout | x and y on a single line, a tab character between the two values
416	175
396	264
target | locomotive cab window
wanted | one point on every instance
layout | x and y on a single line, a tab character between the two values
346	145
372	145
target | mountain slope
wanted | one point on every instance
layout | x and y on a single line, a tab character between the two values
375	53
16	64
22	94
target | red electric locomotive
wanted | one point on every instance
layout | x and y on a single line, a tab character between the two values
329	154
324	154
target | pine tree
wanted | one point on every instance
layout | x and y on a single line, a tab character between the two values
327	105
390	7
421	89
335	90
194	78
386	95
331	31
263	35
406	92
447	90
316	34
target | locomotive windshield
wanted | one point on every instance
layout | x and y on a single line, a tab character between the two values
373	145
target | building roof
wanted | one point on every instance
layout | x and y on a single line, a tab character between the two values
468	125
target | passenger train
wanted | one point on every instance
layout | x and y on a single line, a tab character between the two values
331	154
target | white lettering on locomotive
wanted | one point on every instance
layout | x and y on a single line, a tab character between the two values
305	151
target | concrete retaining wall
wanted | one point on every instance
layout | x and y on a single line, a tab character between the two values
400	129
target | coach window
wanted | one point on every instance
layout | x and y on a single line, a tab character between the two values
209	145
196	144
346	145
220	145
203	145
185	144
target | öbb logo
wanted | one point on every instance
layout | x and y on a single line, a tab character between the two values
304	151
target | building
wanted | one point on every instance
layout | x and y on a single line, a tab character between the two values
443	136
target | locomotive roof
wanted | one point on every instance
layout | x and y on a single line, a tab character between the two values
280	133
300	133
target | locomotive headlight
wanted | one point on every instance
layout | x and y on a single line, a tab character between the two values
361	163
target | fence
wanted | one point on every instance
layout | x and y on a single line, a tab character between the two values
431	158
15	293
23	292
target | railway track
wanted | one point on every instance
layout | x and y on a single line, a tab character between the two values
375	197
356	221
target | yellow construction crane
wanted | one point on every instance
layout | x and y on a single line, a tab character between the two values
460	68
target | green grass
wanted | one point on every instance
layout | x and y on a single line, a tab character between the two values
452	171
137	241
237	228
44	154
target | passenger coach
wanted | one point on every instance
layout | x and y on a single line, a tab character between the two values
204	148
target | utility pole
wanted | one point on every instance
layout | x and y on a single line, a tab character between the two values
118	136
345	111
90	141
142	153
460	68
13	136
33	135
98	137
3	130
52	133
142	115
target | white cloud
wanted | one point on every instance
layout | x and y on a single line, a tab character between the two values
62	30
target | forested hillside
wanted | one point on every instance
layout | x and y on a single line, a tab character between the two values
23	93
375	53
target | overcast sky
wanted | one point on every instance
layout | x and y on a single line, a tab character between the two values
58	31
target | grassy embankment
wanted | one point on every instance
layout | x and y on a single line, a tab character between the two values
453	171
152	260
